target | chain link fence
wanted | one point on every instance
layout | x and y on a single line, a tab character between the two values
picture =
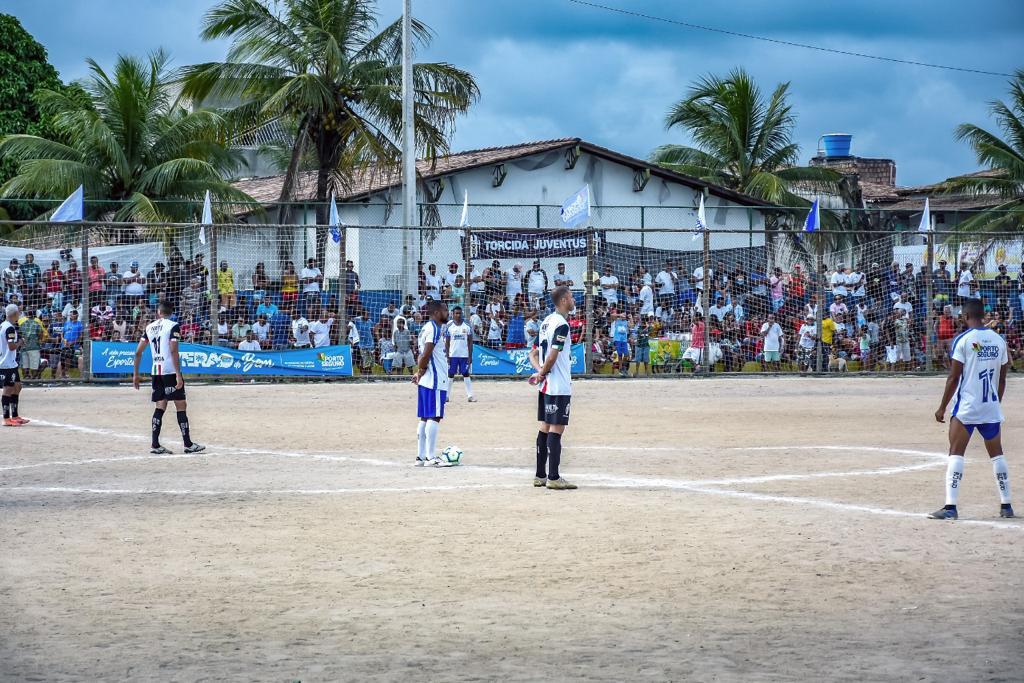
654	295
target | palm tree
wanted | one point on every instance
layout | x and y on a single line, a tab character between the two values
324	68
124	140
1004	157
744	142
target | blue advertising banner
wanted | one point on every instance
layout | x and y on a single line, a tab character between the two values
117	358
517	361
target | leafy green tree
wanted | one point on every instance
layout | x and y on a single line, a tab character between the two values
1004	156
327	69
124	139
24	69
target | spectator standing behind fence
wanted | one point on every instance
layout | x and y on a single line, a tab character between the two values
289	286
312	278
13	280
55	285
260	282
561	278
536	284
226	286
808	334
320	330
402	342
134	285
71	343
514	283
966	285
609	286
192	298
352	286
771	332
432	283
113	283
33	335
448	279
645	299
777	289
531	328
300	331
477	288
1002	285
838	281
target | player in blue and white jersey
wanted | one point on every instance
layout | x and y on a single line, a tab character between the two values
431	377
458	336
977	378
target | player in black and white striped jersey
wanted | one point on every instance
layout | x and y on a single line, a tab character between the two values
10	378
553	377
162	336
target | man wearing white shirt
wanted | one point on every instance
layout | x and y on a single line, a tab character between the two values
838	281
609	286
646	298
433	283
720	309
965	284
311	277
561	278
772	333
453	272
476	287
698	279
666	283
514	283
300	331
320	331
855	284
250	343
808	342
261	329
536	284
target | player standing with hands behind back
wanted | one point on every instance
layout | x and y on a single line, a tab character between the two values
978	377
553	377
431	377
10	379
162	335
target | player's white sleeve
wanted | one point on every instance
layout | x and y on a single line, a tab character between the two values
958	350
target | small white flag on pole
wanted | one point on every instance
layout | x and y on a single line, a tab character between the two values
207	218
464	220
71	209
334	222
926	219
702	219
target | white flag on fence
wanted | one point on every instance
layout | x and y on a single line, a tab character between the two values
71	209
464	220
926	218
207	218
702	219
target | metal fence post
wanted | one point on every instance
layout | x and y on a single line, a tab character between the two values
86	371
214	288
704	303
342	286
588	302
819	314
929	294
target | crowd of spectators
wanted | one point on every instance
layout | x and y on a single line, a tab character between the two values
875	316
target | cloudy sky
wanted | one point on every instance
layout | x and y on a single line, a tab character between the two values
552	68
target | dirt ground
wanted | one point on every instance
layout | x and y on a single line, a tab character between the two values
727	530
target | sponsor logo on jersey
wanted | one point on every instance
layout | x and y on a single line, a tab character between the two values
985	351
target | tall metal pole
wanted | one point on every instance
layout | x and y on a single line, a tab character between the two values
705	302
819	286
409	212
929	295
86	339
588	302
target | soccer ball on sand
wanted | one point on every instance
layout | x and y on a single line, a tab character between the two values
451	455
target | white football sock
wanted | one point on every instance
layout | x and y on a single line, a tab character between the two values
469	386
432	427
1002	478
421	440
954	477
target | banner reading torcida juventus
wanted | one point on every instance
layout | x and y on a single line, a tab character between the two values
118	358
485	244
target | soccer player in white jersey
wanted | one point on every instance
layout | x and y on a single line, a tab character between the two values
552	362
978	378
458	337
162	336
10	379
432	380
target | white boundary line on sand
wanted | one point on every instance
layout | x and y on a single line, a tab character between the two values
599	480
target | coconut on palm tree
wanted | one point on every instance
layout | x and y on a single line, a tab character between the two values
742	140
1004	157
326	68
123	138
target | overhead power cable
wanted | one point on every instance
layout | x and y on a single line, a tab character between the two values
788	43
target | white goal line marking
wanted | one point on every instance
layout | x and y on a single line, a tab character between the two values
600	480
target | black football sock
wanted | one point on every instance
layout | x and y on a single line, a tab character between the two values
554	454
158	420
183	424
6	400
14	406
542	454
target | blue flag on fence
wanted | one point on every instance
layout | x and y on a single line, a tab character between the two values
813	220
334	222
71	209
576	209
